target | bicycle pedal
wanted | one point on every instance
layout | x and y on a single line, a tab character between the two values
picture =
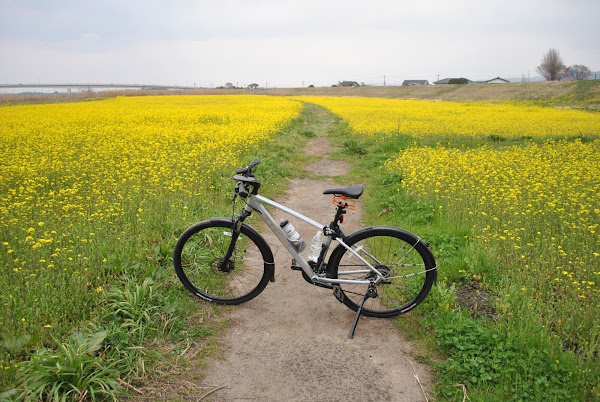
295	267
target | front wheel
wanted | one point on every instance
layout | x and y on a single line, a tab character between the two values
404	260
198	259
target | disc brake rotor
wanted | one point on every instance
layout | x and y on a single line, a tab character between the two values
222	269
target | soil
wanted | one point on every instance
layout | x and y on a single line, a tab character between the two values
291	342
473	296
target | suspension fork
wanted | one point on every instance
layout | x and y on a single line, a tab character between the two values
235	234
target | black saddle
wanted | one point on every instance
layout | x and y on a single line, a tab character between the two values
350	192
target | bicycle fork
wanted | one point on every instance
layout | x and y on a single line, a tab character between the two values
226	265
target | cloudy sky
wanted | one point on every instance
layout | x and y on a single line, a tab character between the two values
282	43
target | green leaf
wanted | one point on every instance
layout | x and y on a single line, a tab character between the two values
95	341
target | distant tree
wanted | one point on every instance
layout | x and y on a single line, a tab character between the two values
552	67
458	81
581	72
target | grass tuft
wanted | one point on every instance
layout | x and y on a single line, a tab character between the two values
79	369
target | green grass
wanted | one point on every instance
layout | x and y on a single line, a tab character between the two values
465	335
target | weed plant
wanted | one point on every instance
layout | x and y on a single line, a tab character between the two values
79	369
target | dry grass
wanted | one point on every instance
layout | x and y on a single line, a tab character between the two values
520	91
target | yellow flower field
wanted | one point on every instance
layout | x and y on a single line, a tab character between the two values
80	183
459	119
538	207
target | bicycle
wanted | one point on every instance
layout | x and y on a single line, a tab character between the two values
378	271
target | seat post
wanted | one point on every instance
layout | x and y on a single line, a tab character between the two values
334	227
339	214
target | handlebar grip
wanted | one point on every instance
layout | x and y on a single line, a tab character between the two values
241	189
248	169
254	162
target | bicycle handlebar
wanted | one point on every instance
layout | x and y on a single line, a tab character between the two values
246	177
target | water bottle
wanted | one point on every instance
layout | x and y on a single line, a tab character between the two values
293	236
315	247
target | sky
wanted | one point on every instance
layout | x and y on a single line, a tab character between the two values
280	43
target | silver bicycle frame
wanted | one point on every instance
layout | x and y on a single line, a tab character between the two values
255	203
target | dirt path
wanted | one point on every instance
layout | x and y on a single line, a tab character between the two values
291	342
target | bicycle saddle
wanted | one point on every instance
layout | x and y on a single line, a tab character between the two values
350	192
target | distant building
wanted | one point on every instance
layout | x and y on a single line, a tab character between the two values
414	82
348	84
497	80
447	81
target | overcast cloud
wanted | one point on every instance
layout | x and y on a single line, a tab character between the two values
288	43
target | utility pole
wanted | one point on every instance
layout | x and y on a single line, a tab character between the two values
438	77
384	80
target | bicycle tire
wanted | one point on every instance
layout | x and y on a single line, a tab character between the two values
405	260
200	250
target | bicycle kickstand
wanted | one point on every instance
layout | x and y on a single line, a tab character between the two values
371	292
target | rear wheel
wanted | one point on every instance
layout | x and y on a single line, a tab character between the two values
199	262
406	263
